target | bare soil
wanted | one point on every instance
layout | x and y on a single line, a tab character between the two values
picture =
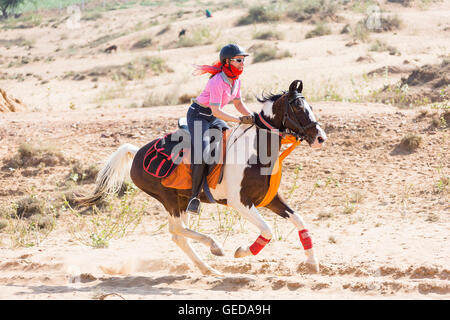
378	214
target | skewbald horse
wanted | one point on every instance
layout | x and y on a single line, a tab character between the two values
243	185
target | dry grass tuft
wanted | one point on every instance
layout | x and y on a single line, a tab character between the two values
320	30
259	14
410	143
268	35
142	43
198	37
30	206
81	174
32	154
263	53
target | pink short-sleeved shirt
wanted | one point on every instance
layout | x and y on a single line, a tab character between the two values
219	91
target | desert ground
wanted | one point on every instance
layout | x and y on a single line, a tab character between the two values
375	197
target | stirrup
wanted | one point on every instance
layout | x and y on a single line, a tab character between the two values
193	206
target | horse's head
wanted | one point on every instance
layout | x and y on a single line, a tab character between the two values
292	114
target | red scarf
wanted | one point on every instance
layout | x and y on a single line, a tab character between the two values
231	71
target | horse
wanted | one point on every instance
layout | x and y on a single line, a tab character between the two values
111	48
182	33
243	183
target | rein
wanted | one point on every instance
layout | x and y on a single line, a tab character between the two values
288	136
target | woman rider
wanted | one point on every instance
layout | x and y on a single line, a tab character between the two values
207	112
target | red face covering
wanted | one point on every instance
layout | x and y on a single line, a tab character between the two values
234	73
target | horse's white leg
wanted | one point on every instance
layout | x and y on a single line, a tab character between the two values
208	241
305	239
279	206
176	229
253	216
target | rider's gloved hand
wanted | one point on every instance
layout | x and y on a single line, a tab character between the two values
250	119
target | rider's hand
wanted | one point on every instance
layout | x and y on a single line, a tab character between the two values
250	119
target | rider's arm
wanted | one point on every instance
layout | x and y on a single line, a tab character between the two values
240	106
223	115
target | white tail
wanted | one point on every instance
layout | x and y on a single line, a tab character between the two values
113	174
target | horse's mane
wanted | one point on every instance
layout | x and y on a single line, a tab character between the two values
270	97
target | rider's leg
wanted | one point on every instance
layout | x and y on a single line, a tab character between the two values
197	127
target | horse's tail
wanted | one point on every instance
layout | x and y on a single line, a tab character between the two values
111	177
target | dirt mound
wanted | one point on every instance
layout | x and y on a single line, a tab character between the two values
427	84
9	104
431	76
390	70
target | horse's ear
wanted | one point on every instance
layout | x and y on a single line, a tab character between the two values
293	86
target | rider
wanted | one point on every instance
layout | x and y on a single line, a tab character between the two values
207	112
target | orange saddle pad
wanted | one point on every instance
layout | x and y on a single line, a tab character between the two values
181	178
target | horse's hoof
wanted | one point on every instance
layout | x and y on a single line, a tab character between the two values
217	250
242	252
212	272
312	265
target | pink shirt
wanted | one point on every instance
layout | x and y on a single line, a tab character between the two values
219	91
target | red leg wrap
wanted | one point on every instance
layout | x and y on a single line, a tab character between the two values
305	239
257	246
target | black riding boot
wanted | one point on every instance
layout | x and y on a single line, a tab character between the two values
198	171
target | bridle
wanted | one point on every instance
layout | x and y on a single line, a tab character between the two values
299	131
301	135
287	118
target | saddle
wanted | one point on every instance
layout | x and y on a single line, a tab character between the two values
165	159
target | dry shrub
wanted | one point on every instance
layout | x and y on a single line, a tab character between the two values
320	30
390	23
268	35
445	119
264	53
29	206
154	99
359	32
410	143
356	197
142	43
198	37
380	46
3	224
405	3
92	16
137	69
307	9
164	30
35	155
42	222
259	14
80	174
